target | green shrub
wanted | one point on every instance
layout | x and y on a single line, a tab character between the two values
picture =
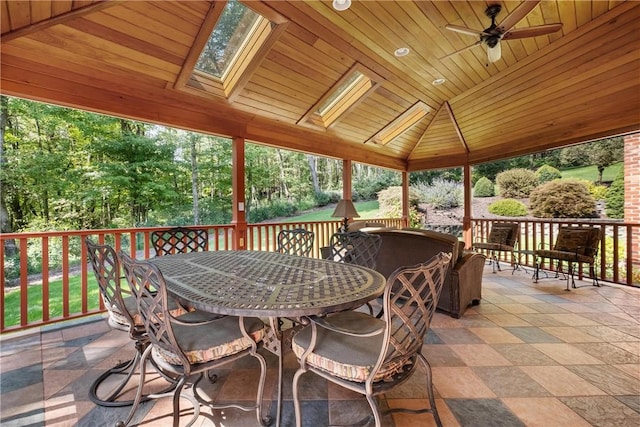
390	201
615	198
508	207
547	173
599	192
368	188
441	194
516	183
484	188
562	198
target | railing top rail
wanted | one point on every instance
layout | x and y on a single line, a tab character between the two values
562	221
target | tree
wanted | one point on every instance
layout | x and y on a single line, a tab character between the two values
604	153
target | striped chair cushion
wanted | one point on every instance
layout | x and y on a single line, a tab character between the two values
210	341
348	357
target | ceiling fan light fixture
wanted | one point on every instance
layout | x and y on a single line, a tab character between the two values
494	53
341	5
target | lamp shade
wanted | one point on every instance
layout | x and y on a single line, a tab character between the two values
345	209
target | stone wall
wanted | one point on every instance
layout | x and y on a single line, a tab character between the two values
632	188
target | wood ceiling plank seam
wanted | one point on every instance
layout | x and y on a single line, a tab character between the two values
19	15
18	57
135	30
275	70
5	23
297	47
38	52
599	8
452	117
579	112
40	11
199	42
257	59
55	20
562	48
455	77
110	34
298	31
271	94
268	80
583	13
270	113
573	132
541	78
191	11
568	17
111	53
61	7
258	96
354	48
148	26
300	56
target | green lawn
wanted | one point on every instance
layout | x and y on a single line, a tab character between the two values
368	209
590	173
34	299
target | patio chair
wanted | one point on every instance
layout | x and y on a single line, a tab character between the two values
123	315
354	247
575	246
189	345
295	242
371	355
179	240
503	237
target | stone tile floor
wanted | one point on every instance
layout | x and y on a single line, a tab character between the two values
528	355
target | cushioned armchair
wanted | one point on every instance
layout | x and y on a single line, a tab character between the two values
574	245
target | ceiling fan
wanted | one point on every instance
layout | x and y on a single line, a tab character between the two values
492	35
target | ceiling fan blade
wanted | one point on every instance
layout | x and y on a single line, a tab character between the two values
464	30
517	15
540	30
462	50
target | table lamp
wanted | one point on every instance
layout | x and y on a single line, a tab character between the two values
346	210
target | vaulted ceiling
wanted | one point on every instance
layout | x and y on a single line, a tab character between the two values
136	59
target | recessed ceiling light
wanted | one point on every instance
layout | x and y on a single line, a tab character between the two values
401	51
341	5
438	82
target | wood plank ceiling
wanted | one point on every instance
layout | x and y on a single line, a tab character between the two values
135	59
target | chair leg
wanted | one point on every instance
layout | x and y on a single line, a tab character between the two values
432	400
176	404
374	409
138	399
296	399
127	369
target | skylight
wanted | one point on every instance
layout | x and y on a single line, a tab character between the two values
401	124
352	88
230	35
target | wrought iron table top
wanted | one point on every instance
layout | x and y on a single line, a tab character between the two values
252	283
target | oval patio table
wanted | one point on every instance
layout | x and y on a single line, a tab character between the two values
268	284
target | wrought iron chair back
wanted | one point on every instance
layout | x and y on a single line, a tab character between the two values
179	240
297	241
355	248
387	349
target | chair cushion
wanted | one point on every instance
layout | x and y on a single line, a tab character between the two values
210	341
492	246
564	256
345	356
572	240
175	309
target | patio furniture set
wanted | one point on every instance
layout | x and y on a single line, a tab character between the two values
189	311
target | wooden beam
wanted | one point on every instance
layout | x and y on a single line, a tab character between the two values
455	125
239	219
58	19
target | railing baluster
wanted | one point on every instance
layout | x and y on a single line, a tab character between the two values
65	276
45	278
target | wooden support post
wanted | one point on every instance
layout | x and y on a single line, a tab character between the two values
239	219
405	199
346	179
466	219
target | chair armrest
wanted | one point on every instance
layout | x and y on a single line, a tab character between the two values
369	331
